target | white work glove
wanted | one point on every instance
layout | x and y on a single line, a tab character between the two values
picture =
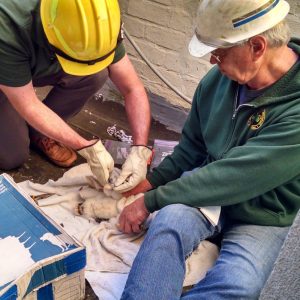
99	160
134	169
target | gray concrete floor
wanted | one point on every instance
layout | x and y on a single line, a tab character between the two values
93	120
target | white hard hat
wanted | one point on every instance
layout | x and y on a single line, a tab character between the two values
223	23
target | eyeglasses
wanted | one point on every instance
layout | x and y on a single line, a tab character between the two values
221	52
217	57
221	45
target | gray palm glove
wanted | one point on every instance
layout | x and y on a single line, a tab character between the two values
134	169
99	160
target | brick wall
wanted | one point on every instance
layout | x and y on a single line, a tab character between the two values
162	30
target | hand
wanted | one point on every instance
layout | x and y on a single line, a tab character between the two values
142	187
133	216
134	169
99	160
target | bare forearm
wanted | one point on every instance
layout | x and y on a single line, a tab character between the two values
138	114
137	105
50	124
39	116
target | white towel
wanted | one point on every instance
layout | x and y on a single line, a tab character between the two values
109	252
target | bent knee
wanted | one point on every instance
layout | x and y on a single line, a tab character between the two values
13	160
177	212
178	217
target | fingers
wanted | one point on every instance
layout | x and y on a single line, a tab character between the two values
136	228
125	225
99	160
133	216
101	173
114	175
128	185
105	176
129	224
142	187
131	228
121	224
122	179
123	187
127	228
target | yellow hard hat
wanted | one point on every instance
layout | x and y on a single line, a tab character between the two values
82	33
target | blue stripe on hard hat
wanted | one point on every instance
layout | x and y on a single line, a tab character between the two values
257	14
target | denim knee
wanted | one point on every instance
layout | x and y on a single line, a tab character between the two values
175	216
246	259
184	222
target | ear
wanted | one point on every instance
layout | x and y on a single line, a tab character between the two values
258	46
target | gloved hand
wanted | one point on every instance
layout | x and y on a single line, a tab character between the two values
143	187
134	169
99	160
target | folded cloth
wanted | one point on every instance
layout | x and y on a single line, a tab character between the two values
108	249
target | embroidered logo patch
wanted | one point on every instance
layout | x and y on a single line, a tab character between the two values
257	119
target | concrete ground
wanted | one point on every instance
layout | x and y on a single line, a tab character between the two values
99	113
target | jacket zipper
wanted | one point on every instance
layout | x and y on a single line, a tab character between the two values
235	108
239	107
234	114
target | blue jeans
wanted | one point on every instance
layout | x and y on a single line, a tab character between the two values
246	258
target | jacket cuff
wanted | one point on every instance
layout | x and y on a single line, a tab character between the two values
150	201
154	180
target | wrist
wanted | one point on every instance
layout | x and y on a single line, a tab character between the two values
146	185
87	144
141	145
143	205
142	151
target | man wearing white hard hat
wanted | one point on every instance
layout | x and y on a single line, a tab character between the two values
242	141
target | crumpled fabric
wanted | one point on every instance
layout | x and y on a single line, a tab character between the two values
108	249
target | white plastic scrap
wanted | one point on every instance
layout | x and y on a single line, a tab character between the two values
119	134
98	96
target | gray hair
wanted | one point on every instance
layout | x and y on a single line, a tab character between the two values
279	35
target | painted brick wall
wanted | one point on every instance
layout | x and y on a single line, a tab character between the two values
162	30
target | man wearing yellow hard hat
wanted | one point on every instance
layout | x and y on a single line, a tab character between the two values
73	46
235	174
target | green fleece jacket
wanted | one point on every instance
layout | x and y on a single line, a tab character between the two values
249	154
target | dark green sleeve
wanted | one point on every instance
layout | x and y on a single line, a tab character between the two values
14	61
266	161
188	154
119	53
14	73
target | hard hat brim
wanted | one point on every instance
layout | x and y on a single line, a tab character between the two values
81	69
199	49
